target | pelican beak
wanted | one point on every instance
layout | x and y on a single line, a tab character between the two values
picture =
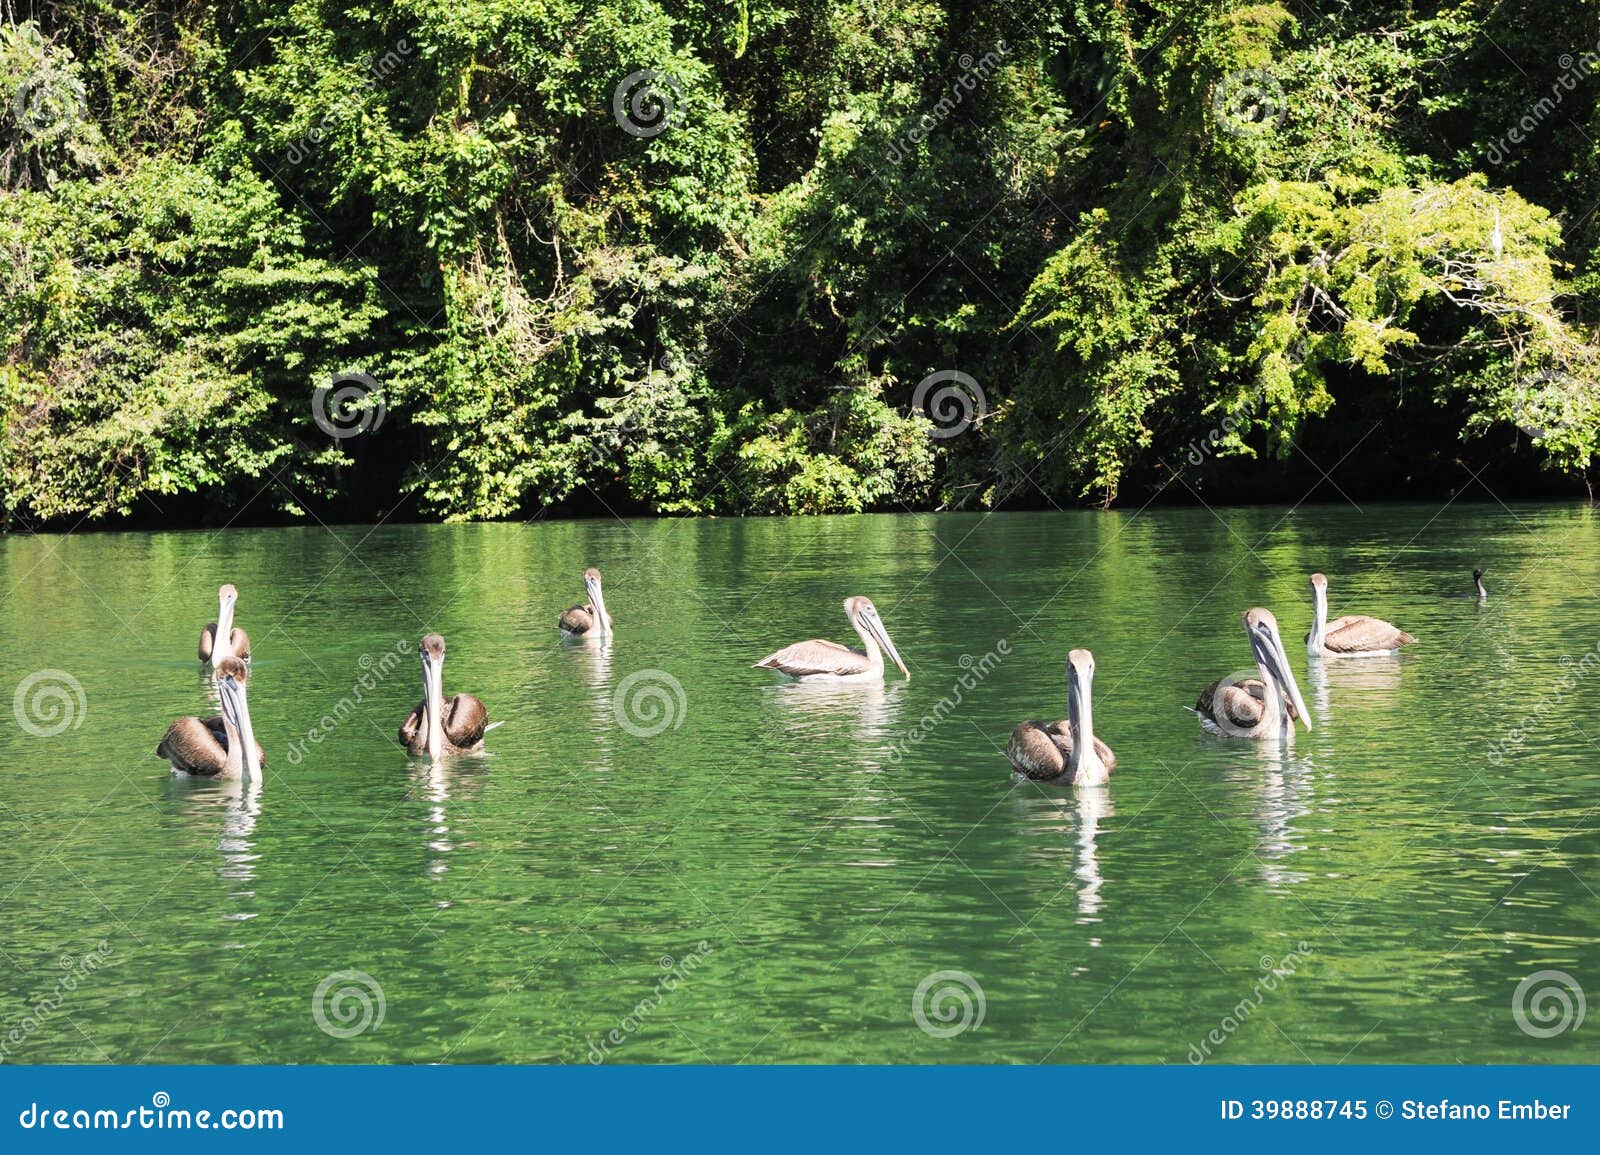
432	683
597	599
1277	663
236	705
875	624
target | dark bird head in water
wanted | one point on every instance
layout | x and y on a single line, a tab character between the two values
1477	574
432	647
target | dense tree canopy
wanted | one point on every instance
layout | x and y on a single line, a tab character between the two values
474	260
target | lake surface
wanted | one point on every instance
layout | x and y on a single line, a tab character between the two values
774	875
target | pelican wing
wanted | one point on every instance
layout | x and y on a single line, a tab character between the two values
191	746
208	637
578	620
411	729
1361	635
241	644
465	720
815	657
1235	703
1035	750
220	733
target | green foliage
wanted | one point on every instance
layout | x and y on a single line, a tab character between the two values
691	257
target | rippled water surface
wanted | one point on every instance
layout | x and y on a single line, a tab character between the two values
773	875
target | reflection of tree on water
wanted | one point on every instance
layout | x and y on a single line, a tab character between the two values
1078	813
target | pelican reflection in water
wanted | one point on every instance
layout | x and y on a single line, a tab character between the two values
1266	706
824	661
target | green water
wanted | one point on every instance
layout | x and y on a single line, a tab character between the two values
797	863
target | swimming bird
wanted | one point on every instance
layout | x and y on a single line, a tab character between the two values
221	639
821	660
590	619
1480	594
1065	751
1260	707
1352	636
437	727
221	746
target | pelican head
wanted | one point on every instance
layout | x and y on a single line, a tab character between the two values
597	599
431	651
232	678
1273	663
864	617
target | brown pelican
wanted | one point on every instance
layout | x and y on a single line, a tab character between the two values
1065	751
221	639
1352	636
1262	707
1480	594
820	660
590	619
224	745
437	727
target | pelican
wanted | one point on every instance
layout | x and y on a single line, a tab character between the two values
592	619
819	660
222	746
1352	636
221	639
1256	707
1065	751
437	727
1480	594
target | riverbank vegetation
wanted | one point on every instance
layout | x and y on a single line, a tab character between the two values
267	258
